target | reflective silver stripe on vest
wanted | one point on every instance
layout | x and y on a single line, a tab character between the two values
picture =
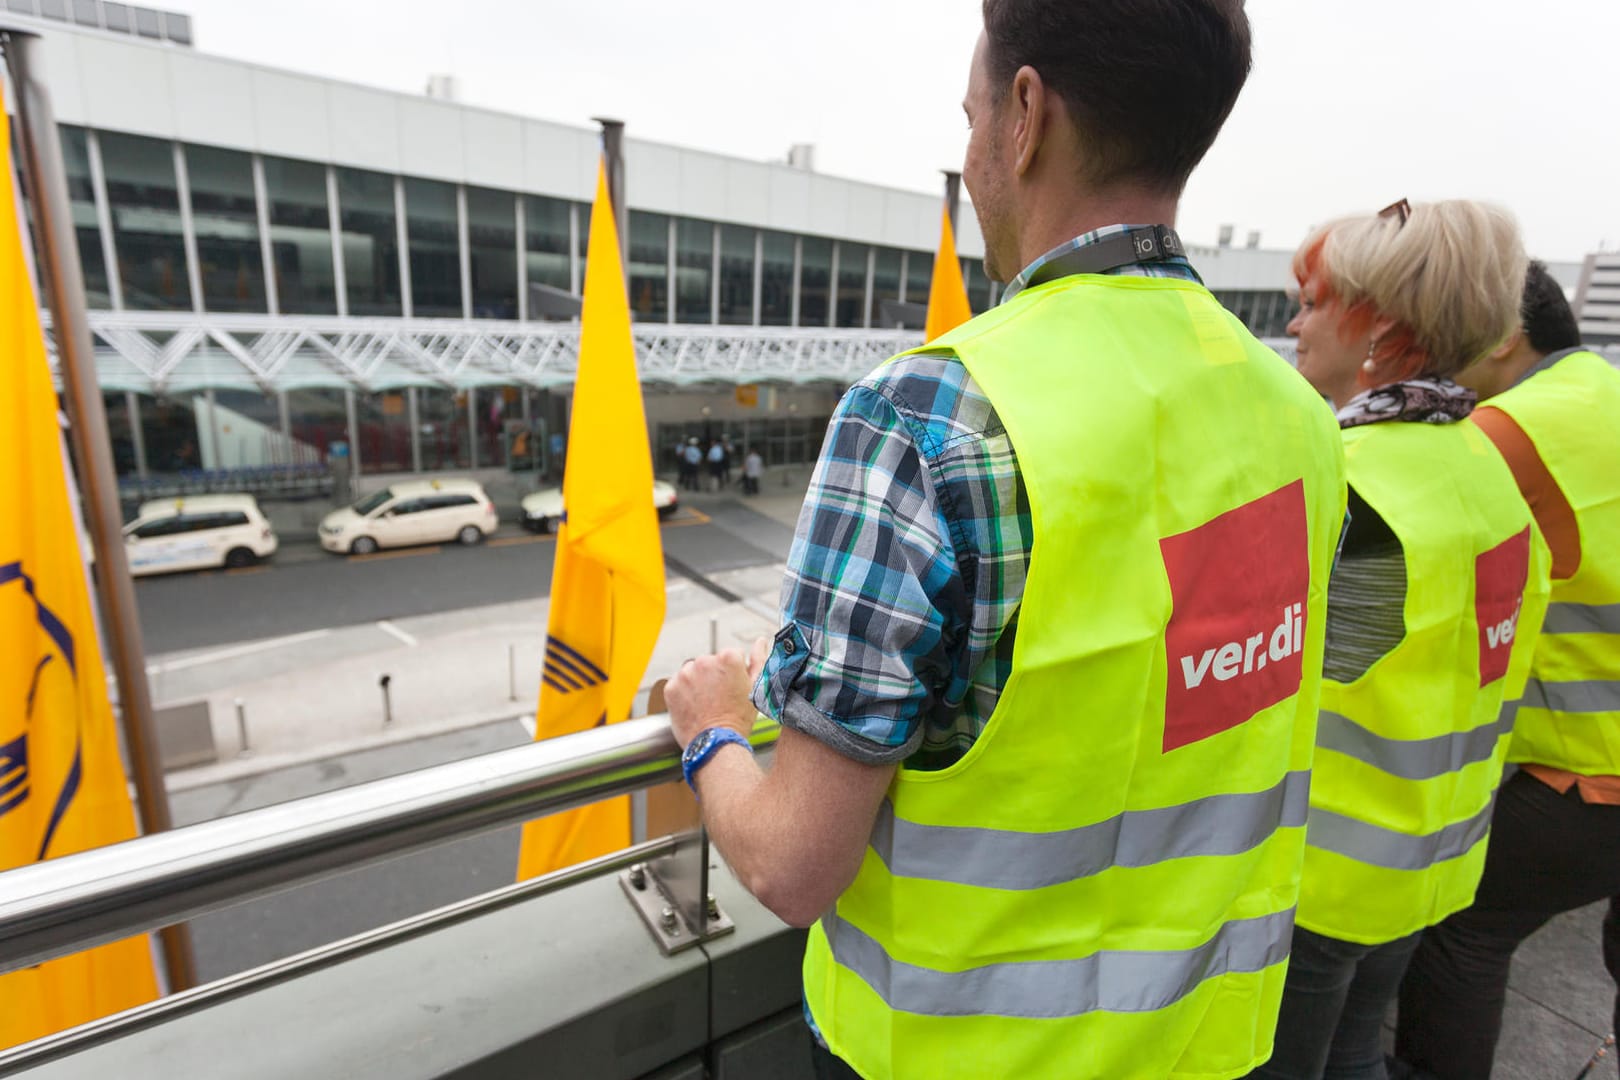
1134	981
1379	846
1582	619
1006	859
1413	759
1592	695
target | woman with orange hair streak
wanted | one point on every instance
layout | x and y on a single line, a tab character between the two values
1432	611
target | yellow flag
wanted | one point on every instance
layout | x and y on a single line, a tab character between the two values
607	584
948	305
62	786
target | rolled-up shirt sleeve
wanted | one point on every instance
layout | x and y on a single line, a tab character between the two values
871	587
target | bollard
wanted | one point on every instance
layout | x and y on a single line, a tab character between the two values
241	727
714	636
388	705
511	672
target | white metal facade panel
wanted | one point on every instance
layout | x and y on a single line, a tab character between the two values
430	139
125	88
559	161
292	116
365	127
790	200
492	149
213	103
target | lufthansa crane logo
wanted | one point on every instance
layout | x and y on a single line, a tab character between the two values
16	782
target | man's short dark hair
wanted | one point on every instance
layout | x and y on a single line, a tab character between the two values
1549	323
1148	82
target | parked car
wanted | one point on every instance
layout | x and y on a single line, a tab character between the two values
196	532
413	512
543	510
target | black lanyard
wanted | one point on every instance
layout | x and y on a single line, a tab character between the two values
1141	244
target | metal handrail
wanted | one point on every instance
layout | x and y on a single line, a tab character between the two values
61	906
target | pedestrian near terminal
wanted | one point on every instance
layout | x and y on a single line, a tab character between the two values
691	464
717	464
1550	407
1432	612
753	470
1053	618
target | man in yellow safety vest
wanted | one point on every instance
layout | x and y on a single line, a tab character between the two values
1053	622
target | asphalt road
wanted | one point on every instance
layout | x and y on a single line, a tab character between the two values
304	588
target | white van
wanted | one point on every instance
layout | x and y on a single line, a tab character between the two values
197	531
413	512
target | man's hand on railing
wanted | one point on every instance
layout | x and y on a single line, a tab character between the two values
712	691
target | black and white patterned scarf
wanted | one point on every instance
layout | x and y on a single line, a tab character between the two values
1414	401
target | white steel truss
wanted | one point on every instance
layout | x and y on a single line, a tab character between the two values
175	352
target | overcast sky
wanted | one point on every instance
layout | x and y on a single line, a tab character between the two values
1352	104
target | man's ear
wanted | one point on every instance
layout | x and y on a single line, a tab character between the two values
1504	350
1030	103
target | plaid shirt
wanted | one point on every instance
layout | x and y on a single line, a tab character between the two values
907	570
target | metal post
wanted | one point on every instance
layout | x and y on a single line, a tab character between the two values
953	194
104	224
132	401
613	156
261	204
388	704
402	239
241	728
413	416
511	672
520	221
340	273
714	636
92	448
188	225
464	250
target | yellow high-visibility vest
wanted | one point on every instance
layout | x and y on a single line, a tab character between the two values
1570	717
1104	886
1409	755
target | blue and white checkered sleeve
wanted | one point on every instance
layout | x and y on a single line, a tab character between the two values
862	645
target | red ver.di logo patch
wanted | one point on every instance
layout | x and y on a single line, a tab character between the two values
1500	576
1239	584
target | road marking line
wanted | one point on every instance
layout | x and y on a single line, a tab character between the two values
232	653
389	628
405	553
512	541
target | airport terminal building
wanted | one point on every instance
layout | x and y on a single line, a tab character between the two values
277	262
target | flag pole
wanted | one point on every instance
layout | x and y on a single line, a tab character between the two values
62	282
613	157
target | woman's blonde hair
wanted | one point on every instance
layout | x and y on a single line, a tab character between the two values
1449	275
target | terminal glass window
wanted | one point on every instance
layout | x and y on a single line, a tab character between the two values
776	279
145	206
737	275
441	416
225	217
300	236
694	271
815	280
919	276
319	418
492	246
87	229
649	266
852	284
385	431
545	241
246	431
583	212
885	281
370	241
430	221
978	285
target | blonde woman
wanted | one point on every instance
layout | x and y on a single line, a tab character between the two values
1431	614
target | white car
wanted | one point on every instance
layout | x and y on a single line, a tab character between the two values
543	510
413	512
198	531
